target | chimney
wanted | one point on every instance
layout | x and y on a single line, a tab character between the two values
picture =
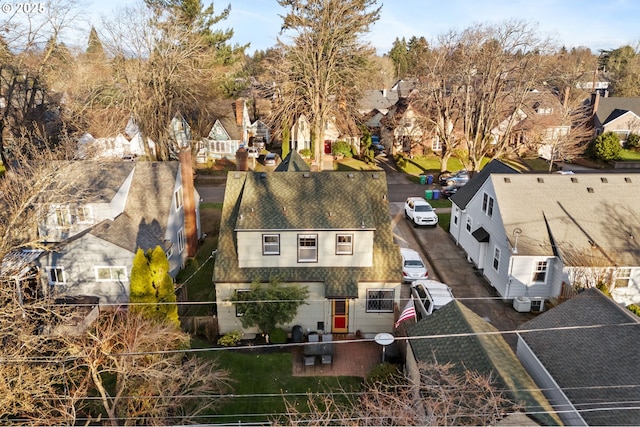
189	203
595	100
239	111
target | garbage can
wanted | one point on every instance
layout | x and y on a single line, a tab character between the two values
428	194
423	179
297	334
429	179
436	194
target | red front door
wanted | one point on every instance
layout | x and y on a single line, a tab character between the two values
339	316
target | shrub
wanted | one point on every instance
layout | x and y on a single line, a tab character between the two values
634	308
606	146
384	373
278	336
342	147
633	141
231	339
305	152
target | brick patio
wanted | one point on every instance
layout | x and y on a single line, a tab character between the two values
350	359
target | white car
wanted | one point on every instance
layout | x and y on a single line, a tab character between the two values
420	212
430	295
413	267
254	152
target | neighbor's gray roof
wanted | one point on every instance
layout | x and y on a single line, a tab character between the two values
483	350
377	99
463	196
321	200
292	162
596	362
144	221
89	181
587	219
611	108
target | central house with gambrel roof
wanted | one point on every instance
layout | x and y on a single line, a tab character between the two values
330	232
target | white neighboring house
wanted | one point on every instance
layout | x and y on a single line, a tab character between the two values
534	236
117	147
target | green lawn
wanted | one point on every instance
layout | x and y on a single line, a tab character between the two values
261	380
350	164
630	155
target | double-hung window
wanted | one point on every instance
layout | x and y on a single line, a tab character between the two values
469	224
496	259
181	240
307	248
380	300
622	277
178	198
270	244
111	274
62	217
344	244
83	214
55	275
487	205
540	272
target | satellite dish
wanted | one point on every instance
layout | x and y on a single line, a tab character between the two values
384	339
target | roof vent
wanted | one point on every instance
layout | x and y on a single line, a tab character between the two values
306	175
604	180
375	176
541	180
589	190
574	179
263	175
628	180
350	175
236	175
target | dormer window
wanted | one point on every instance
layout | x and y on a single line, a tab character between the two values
178	198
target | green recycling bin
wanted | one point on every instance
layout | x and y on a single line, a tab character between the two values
423	179
428	194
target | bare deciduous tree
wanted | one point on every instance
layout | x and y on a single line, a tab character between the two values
442	397
320	74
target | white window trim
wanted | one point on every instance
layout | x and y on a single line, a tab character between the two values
275	245
623	273
487	204
536	264
469	224
66	212
456	215
88	216
307	236
111	268
178	198
181	240
496	257
377	299
62	273
344	245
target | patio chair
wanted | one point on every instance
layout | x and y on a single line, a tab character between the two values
314	338
327	337
327	359
308	361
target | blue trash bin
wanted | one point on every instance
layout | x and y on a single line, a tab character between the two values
436	194
429	179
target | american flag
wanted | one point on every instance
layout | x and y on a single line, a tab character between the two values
408	312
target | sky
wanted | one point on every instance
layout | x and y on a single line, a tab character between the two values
596	24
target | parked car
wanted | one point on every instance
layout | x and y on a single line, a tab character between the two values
413	267
430	295
270	159
447	179
450	190
254	152
379	149
420	212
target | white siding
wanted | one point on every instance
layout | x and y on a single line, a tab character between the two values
250	249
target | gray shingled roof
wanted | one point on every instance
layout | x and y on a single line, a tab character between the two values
377	100
612	107
483	350
292	162
352	198
595	367
588	219
144	221
463	196
91	181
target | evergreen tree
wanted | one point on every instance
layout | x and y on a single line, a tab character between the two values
151	287
95	50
